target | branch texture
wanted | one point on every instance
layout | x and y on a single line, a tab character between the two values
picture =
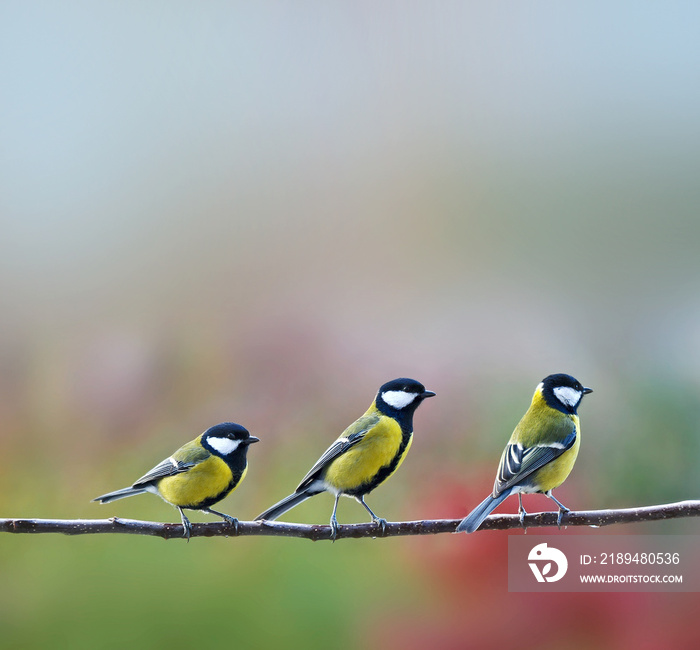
316	532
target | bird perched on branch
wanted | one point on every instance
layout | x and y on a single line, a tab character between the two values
367	453
199	474
541	452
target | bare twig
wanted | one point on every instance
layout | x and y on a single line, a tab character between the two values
319	532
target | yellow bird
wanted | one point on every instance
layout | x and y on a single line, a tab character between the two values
367	453
197	475
541	452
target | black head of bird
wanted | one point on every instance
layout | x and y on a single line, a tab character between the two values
563	392
228	438
401	397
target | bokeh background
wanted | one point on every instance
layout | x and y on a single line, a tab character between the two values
260	212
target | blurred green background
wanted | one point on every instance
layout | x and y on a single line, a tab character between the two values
260	212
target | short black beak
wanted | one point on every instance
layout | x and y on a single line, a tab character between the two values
427	393
251	440
587	390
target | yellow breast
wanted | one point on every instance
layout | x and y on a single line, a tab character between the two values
555	473
361	464
205	480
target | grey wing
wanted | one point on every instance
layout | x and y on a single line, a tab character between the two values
519	462
351	436
169	467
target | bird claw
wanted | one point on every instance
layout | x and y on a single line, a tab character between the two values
233	521
227	518
562	508
381	523
186	526
522	513
334	529
560	516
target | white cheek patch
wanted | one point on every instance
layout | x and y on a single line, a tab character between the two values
224	446
398	399
567	395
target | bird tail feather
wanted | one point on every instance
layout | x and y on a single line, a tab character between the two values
120	494
288	503
476	517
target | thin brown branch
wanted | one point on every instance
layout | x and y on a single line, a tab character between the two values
318	532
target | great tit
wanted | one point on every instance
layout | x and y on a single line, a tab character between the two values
541	451
367	453
197	475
